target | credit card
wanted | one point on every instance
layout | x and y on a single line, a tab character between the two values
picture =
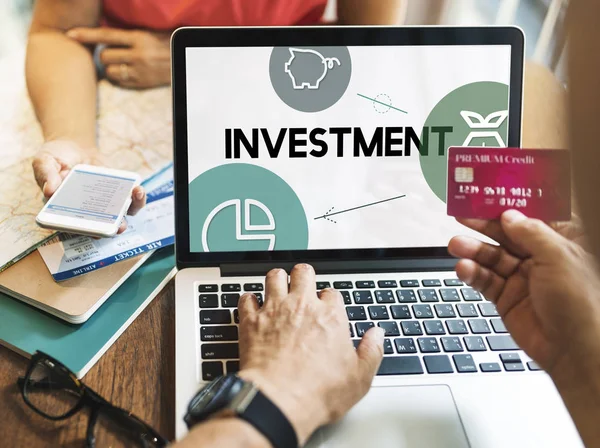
484	182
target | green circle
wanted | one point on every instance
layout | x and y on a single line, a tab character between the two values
483	98
249	185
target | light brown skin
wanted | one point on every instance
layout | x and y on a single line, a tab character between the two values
545	279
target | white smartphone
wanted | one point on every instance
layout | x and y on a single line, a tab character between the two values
90	201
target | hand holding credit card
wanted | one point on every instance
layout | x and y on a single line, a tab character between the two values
484	182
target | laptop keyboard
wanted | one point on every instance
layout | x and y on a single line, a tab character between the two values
432	326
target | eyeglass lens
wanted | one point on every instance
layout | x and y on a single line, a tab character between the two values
50	390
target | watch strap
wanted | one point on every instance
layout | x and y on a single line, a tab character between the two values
266	417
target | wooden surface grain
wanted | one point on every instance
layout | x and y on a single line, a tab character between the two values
137	373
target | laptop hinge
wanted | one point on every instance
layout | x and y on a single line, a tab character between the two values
344	267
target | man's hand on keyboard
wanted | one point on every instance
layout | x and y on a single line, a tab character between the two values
297	349
544	287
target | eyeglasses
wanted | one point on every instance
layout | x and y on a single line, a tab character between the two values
54	392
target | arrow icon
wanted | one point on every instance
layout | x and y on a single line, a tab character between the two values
329	214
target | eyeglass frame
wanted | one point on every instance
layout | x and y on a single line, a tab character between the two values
88	398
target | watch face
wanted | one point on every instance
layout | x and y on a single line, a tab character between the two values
213	398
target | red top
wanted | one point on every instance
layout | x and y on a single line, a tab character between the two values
171	14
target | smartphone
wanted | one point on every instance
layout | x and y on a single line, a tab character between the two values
90	201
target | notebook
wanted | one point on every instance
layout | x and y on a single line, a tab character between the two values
24	329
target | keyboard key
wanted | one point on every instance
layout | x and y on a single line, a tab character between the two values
514	367
434	327
231	287
464	363
444	310
362	297
236	316
388	349
400	365
451	344
405	345
437	364
343	285
356	313
452	282
356	342
215	317
489	367
498	343
449	295
220	351
362	328
219	333
390	328
428	295
400	312
498	326
208	288
509	357
470	295
428	345
385	296
253	287
365	284
232	366
430	283
259	298
411	328
351	330
346	296
209	301
409	283
211	370
475	344
422	311
378	312
230	300
466	310
479	326
532	365
323	285
387	284
406	296
487	309
456	326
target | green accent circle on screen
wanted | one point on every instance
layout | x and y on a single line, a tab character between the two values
463	109
243	207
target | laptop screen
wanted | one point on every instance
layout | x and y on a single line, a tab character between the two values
309	148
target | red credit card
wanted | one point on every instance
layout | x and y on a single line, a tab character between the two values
484	182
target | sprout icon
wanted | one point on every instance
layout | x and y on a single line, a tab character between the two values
315	72
484	126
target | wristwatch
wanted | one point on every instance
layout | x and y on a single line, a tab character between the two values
230	395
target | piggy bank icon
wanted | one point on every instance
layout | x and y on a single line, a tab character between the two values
307	68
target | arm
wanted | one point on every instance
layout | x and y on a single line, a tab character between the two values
362	12
224	432
584	69
60	72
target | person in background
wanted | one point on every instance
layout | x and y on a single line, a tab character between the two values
544	280
133	36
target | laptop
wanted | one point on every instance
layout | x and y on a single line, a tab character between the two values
328	145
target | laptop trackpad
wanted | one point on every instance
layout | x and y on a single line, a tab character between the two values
399	417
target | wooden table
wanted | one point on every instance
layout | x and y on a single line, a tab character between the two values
138	372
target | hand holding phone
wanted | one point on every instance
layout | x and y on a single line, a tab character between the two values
90	201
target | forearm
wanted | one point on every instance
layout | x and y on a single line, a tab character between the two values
579	387
224	432
61	80
362	12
